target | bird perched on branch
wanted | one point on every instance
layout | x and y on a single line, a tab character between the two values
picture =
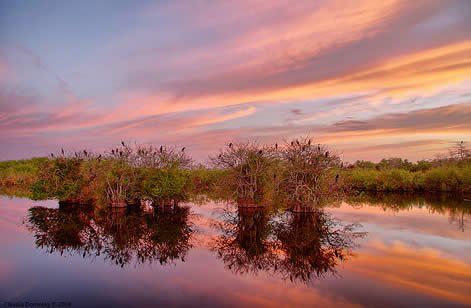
122	142
183	149
319	147
326	154
260	152
161	149
230	145
219	156
52	154
62	150
276	146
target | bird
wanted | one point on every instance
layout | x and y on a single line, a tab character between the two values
319	147
85	152
62	150
120	153
112	151
337	178
309	142
122	142
183	149
327	154
220	155
297	141
52	154
161	149
276	146
260	152
292	143
230	145
99	157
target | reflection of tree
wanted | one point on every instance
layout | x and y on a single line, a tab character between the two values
312	244
121	236
244	245
296	246
444	204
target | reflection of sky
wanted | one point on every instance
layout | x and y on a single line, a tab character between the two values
410	258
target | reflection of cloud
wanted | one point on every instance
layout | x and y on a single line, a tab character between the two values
418	220
424	271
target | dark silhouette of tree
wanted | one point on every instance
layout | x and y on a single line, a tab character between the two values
244	244
313	244
296	246
120	236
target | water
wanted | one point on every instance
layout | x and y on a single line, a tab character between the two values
378	252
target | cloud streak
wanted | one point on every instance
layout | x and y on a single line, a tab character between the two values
367	71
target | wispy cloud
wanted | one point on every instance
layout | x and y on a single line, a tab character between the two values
336	69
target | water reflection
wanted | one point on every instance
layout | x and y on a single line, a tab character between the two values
458	211
244	245
295	246
122	236
412	255
314	244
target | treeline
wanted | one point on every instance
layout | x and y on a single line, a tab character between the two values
298	174
445	174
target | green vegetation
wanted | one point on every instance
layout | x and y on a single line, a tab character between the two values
299	175
396	175
125	175
20	172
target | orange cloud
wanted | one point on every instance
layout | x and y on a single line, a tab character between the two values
420	73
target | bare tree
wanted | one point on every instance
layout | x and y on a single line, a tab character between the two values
248	165
459	151
308	178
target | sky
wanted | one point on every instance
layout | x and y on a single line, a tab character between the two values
370	79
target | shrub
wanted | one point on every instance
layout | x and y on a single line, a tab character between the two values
308	179
164	185
249	170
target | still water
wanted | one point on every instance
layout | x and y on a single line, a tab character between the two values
377	251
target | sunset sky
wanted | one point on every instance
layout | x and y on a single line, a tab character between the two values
370	79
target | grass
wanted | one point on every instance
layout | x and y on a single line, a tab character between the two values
129	174
20	172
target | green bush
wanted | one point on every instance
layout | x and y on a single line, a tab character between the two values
163	185
450	177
